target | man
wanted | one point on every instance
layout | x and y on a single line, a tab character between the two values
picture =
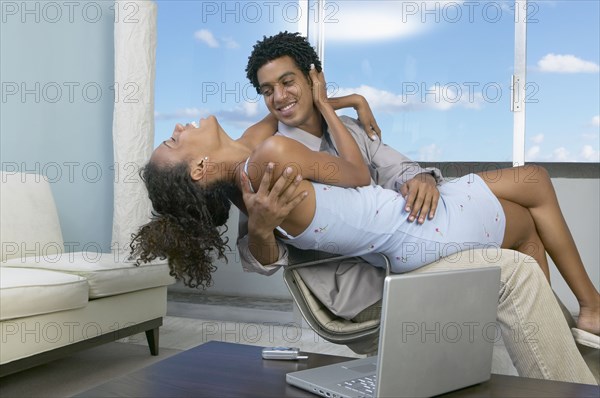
350	286
278	68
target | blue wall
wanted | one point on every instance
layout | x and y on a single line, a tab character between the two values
57	100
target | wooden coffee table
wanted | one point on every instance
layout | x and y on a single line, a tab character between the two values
217	369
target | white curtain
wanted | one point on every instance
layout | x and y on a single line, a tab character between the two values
133	117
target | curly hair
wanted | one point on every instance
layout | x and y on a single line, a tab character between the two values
185	222
285	43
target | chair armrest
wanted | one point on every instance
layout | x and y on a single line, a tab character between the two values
307	258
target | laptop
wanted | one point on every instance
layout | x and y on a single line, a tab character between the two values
436	335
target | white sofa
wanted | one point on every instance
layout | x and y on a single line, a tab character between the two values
52	302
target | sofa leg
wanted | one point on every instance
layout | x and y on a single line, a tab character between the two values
152	338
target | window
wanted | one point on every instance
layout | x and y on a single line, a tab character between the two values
202	51
563	106
437	73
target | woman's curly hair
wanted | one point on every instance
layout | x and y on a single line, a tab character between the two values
285	43
185	223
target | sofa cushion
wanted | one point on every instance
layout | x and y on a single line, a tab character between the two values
28	217
106	273
26	292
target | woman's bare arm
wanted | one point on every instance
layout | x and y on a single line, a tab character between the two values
267	127
363	111
260	131
320	167
347	170
345	142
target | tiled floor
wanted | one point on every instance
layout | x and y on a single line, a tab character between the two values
229	308
193	319
263	303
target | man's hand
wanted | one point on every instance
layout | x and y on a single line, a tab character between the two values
268	207
421	196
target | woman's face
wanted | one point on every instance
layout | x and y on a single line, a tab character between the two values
189	143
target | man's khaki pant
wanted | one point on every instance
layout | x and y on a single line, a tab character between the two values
535	331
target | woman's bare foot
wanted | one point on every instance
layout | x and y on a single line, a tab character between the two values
589	319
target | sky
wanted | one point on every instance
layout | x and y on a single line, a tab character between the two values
436	73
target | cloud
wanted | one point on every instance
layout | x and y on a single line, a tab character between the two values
205	36
243	114
351	22
533	153
537	139
417	97
430	153
590	136
560	154
181	115
556	63
596	121
230	43
589	154
378	99
250	108
239	116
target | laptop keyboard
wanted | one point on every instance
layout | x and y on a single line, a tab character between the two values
363	385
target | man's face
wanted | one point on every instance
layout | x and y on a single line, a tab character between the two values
288	94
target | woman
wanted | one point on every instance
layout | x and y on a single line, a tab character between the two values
192	178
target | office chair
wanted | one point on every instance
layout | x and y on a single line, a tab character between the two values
360	337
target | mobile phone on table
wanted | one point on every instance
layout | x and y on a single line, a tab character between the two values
284	353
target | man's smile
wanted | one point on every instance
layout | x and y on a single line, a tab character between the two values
286	107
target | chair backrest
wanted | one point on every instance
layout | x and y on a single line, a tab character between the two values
361	337
29	224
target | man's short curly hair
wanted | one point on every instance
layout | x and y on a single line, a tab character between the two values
285	43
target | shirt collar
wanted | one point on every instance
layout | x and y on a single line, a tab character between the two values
306	138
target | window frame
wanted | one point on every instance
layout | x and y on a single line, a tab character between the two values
315	33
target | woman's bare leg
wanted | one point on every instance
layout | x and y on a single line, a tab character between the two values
530	187
521	235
